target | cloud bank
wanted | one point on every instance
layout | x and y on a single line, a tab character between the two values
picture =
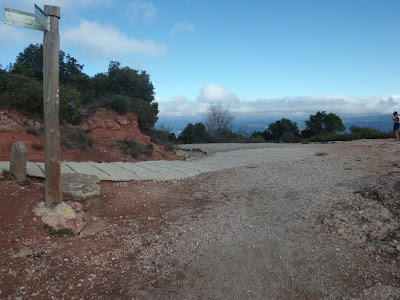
291	107
98	41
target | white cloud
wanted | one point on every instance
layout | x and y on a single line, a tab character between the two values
18	36
215	93
182	26
140	8
293	107
99	41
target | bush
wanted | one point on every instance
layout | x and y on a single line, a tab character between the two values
121	104
358	134
70	102
8	175
60	232
256	139
135	152
284	131
75	139
163	137
289	137
23	93
130	147
147	113
194	134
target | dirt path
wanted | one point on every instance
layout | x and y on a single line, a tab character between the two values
287	230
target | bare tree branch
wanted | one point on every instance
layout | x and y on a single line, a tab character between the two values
218	119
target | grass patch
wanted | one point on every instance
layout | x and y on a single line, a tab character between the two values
60	232
8	175
37	255
321	154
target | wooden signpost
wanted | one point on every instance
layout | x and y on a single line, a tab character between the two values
47	21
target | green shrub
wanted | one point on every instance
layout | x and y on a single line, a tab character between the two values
147	113
194	134
24	94
289	137
360	133
256	138
321	154
135	152
163	136
8	175
37	255
75	139
129	146
148	150
121	104
60	232
70	103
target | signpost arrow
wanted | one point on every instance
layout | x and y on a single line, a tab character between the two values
42	18
22	19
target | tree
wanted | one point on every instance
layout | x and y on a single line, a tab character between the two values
321	123
121	88
22	93
30	63
129	82
356	129
3	79
147	113
193	134
70	70
218	120
284	130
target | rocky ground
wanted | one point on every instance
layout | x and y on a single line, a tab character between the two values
324	227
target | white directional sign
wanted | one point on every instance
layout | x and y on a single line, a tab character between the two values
42	18
22	19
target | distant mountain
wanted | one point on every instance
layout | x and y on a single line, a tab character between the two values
380	122
249	125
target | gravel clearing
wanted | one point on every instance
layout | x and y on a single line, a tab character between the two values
262	239
322	225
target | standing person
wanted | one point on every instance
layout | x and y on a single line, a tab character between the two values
396	125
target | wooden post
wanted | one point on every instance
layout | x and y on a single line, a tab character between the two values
51	103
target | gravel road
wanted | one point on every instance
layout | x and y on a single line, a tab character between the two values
316	221
259	235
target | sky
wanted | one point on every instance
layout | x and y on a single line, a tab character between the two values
281	58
